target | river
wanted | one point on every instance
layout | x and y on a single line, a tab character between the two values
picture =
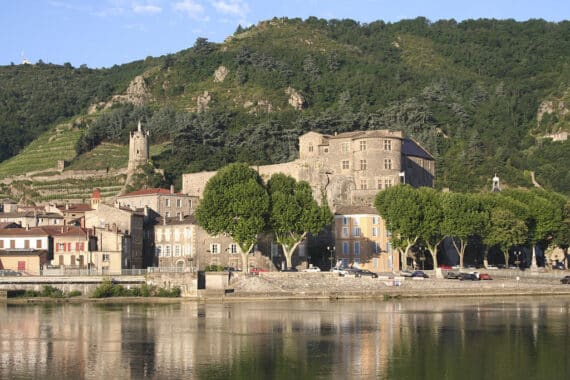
514	338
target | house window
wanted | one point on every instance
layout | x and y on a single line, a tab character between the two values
167	250
374	231
387	164
190	203
60	247
179	203
105	257
26	243
387	144
345	220
363	184
363	164
215	248
356	231
345	165
158	250
310	147
344	232
345	248
387	183
356	248
177	250
375	220
233	248
344	147
379	184
188	250
355	221
12	243
363	145
167	202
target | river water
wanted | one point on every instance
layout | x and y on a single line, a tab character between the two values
514	338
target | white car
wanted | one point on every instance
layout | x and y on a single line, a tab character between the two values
312	269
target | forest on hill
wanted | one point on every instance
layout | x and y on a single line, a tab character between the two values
480	95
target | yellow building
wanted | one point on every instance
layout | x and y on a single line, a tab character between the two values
362	240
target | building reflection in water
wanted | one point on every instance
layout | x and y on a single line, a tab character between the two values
306	339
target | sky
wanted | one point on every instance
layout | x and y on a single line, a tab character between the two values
102	33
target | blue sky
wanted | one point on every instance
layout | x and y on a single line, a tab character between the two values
101	33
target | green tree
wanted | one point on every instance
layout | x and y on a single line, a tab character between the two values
432	216
235	202
464	216
505	230
546	215
400	208
294	213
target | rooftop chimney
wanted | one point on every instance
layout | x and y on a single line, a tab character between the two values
171	189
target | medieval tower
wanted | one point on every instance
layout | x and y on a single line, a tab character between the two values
138	149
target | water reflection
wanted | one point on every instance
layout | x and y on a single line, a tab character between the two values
473	339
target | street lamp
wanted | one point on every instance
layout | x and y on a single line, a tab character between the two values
331	250
517	258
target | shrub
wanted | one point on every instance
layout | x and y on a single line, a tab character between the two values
74	293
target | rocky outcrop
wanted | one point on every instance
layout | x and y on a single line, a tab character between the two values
551	106
137	93
203	101
220	74
296	100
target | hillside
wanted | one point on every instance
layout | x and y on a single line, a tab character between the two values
480	95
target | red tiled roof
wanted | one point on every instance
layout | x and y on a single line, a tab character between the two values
152	191
356	210
79	207
64	230
34	231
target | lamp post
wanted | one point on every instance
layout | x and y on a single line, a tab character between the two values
331	250
517	258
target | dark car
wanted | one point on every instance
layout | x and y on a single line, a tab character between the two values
420	274
565	280
452	275
469	276
367	273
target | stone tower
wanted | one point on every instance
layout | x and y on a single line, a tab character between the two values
496	187
138	148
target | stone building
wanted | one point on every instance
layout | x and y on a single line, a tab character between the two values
349	167
118	230
164	202
70	246
25	250
181	243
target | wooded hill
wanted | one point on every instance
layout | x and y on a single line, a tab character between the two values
479	95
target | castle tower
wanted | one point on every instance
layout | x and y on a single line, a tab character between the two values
138	148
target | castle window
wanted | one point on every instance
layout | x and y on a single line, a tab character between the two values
387	183
387	164
344	147
363	145
387	144
363	165
345	165
363	184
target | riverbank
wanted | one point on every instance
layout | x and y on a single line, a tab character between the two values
326	285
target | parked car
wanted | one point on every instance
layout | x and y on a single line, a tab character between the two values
485	276
419	273
406	273
565	280
445	267
367	273
339	270
312	269
9	272
469	276
257	270
352	272
452	275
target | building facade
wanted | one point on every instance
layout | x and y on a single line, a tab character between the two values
363	241
164	202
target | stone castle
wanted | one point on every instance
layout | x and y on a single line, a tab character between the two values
350	168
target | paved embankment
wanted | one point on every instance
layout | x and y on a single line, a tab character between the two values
329	285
